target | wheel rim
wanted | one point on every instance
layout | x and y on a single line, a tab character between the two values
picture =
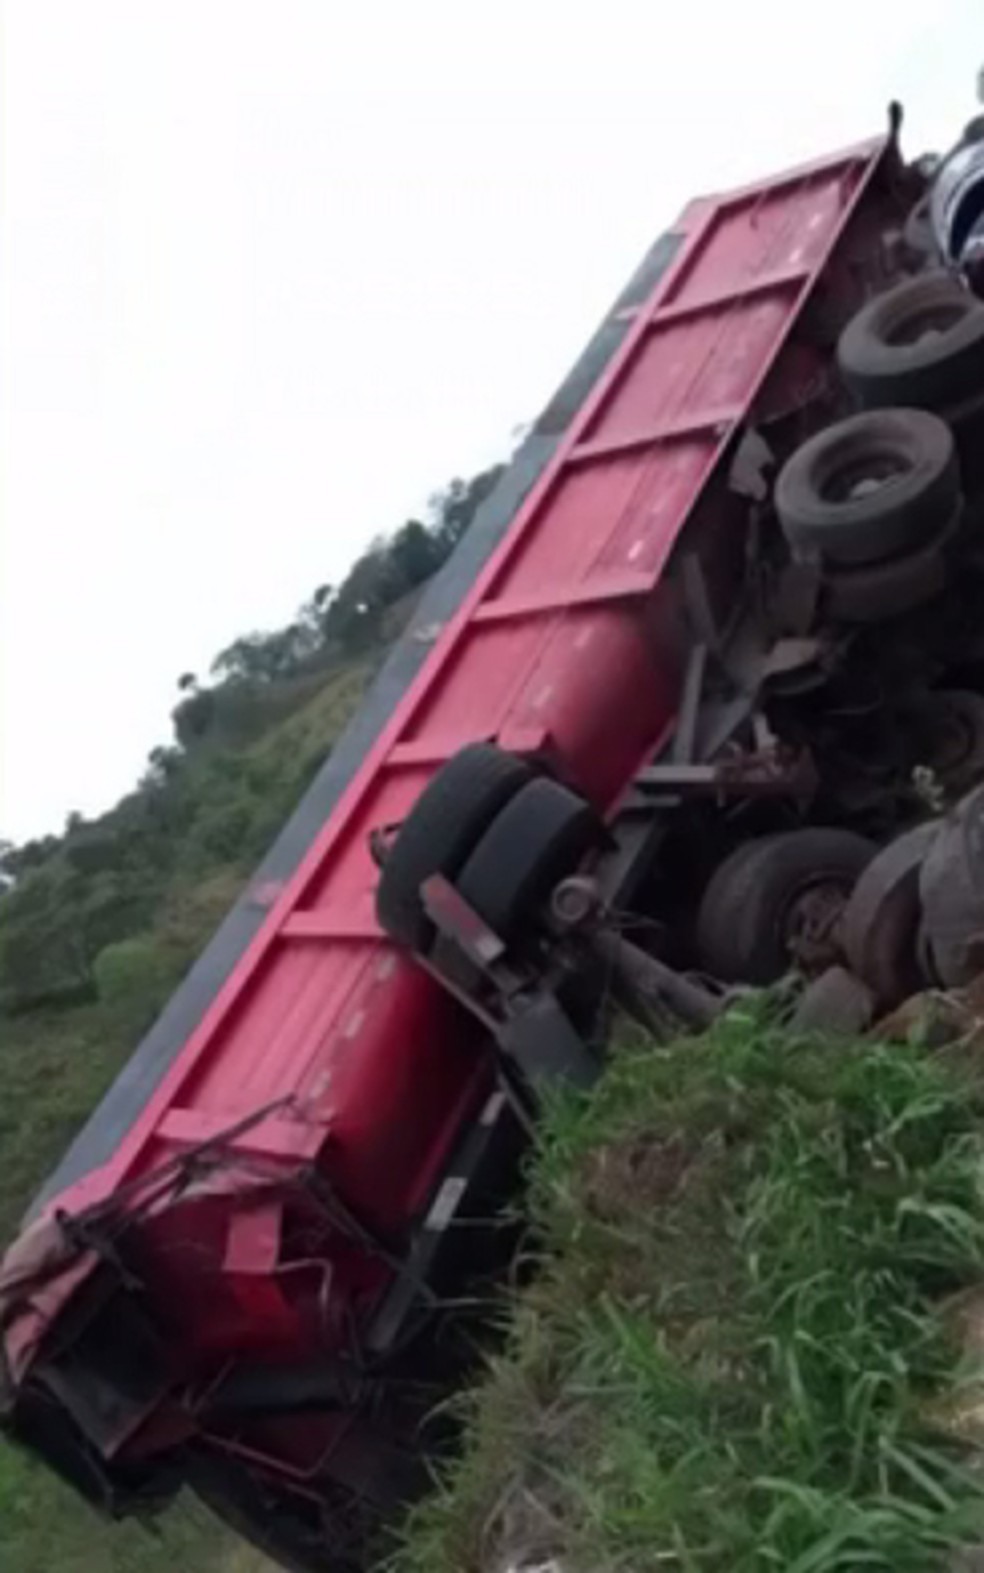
863	476
920	327
809	924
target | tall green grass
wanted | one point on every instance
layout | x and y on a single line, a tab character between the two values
729	1355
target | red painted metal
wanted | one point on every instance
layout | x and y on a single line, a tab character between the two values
377	1064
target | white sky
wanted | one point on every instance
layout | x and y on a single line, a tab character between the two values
275	270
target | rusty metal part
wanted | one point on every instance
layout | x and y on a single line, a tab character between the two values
881	919
774	771
835	1002
812	924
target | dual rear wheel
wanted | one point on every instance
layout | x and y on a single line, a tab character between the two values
505	836
875	498
500	832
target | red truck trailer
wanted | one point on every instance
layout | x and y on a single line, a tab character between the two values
639	742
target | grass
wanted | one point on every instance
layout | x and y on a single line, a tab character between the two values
45	1528
731	1350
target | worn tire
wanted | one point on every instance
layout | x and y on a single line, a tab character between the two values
869	487
917	233
440	832
876	592
538	838
882	918
951	889
921	344
742	935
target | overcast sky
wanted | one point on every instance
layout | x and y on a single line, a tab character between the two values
275	270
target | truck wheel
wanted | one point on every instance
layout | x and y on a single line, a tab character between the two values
440	832
870	486
882	916
876	592
540	836
921	343
917	233
951	888
768	908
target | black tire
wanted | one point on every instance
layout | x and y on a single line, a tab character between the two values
921	343
745	922
917	233
538	838
877	592
869	487
440	832
951	889
882	918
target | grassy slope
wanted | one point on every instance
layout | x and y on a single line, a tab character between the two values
56	1065
45	1529
725	1361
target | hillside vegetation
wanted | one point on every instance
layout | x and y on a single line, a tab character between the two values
735	1356
99	923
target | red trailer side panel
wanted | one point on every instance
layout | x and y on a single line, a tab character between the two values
368	1063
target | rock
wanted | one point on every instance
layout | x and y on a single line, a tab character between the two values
962	1315
969	1560
836	1002
961	1414
937	1017
929	1018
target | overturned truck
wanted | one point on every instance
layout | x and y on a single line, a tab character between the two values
711	645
